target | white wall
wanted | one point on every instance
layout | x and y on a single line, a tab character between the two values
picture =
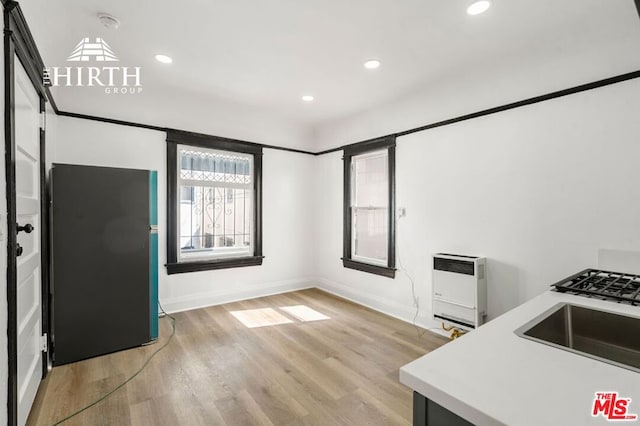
509	186
286	212
539	190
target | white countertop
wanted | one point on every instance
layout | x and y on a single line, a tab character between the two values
492	376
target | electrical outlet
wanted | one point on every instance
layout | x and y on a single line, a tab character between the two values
402	212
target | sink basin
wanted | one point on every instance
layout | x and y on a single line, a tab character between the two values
604	336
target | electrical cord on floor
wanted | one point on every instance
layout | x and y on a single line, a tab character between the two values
133	376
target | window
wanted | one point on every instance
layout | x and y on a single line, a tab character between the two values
369	203
214	209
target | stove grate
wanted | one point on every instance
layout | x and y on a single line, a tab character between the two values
603	284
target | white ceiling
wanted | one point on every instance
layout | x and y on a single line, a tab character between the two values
263	55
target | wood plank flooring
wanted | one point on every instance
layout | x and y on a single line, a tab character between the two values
217	371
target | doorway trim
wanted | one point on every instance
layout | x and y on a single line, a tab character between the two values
18	42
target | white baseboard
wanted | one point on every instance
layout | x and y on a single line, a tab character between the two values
203	300
399	311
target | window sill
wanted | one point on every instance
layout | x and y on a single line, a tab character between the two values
207	265
366	267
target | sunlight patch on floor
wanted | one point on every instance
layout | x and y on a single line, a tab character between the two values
263	317
304	313
252	318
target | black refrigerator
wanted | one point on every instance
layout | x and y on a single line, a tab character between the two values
104	288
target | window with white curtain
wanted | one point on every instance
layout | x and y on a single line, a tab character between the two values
369	222
370	207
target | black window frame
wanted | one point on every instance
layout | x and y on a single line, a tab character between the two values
388	143
175	138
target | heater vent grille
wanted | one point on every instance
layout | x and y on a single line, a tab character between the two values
453	265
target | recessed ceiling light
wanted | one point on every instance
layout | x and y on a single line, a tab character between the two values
478	7
372	64
164	59
308	98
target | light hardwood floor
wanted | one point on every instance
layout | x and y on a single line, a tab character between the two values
217	371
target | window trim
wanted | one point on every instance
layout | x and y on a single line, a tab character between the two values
175	138
348	261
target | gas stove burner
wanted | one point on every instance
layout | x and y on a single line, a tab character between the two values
605	285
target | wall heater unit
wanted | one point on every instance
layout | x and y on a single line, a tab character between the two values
459	289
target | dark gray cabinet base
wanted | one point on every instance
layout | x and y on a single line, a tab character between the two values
427	412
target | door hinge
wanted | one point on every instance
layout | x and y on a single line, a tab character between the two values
45	345
43	121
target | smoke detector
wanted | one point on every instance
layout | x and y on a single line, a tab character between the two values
110	22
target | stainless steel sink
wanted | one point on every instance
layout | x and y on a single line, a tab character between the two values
605	336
